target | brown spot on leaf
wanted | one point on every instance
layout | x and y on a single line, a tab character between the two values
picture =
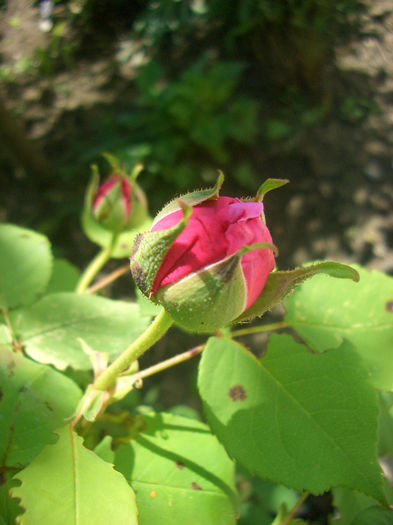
389	306
195	486
2	478
179	465
1	393
237	393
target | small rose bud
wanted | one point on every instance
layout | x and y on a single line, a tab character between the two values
206	259
118	204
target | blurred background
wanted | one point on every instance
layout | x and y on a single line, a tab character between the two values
298	89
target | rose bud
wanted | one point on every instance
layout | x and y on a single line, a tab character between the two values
118	204
206	258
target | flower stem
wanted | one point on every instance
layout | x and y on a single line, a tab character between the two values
95	266
151	335
260	328
289	517
109	279
172	361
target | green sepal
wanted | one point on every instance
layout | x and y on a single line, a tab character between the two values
192	199
269	185
280	284
150	249
113	162
207	300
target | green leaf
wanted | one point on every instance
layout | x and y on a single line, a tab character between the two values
52	329
65	277
306	420
67	484
9	509
385	445
376	515
25	265
350	504
180	473
280	284
324	312
34	401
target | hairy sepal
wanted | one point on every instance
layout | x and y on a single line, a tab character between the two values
207	300
280	284
192	199
150	249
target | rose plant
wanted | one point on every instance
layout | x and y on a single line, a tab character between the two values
307	412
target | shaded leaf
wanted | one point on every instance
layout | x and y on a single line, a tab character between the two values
68	484
25	265
324	312
51	330
350	504
178	469
35	399
376	515
306	420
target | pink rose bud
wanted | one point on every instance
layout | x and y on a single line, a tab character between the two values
206	259
118	204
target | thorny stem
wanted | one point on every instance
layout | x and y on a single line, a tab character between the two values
261	328
95	265
109	278
289	517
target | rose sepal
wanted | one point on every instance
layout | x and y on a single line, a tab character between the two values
279	284
150	249
269	185
192	199
207	300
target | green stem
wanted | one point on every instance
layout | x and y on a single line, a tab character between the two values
151	335
172	361
289	517
261	328
95	265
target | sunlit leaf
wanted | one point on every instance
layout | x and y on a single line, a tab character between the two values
325	311
306	420
25	265
51	330
67	484
64	277
180	473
